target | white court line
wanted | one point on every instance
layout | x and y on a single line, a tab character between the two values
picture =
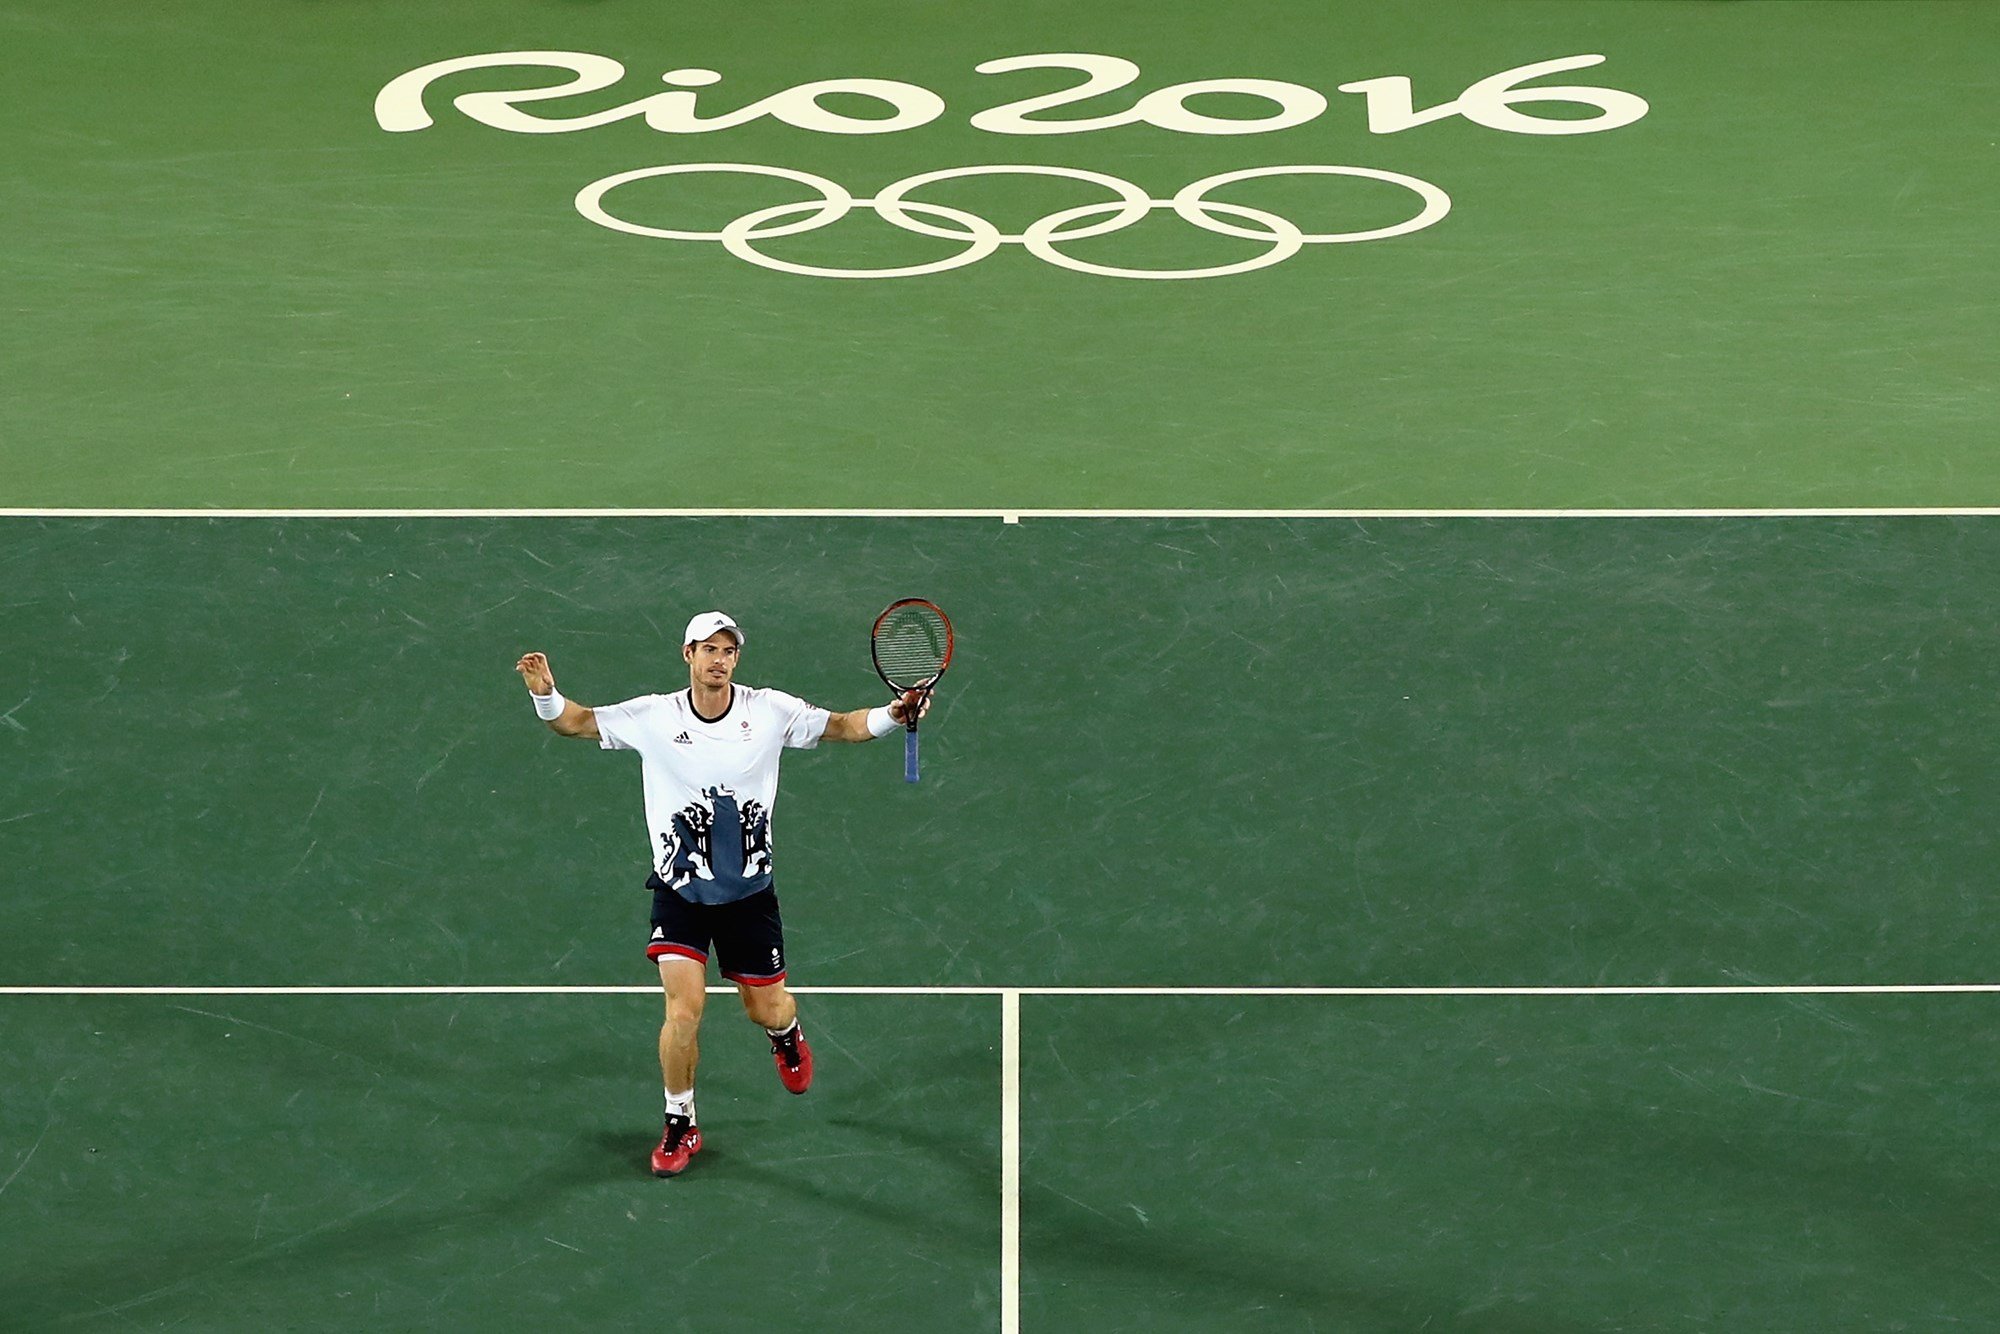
1010	1162
643	990
1011	515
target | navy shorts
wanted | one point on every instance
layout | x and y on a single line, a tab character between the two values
747	935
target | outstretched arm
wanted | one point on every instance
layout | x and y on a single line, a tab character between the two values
853	725
574	719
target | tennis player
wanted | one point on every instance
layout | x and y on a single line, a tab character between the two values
709	761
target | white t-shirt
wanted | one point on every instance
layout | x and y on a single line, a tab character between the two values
711	786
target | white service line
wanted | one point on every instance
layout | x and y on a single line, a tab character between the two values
1745	990
1010	1162
1012	515
644	990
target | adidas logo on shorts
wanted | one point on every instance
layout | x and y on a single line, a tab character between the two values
684	740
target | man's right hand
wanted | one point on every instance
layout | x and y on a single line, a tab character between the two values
534	670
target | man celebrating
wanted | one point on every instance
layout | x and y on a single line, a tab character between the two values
709	757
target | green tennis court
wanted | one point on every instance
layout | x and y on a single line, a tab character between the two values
1394	907
1550	753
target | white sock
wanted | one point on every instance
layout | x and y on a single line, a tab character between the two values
680	1104
779	1034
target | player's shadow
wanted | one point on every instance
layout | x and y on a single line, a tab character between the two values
966	1213
1055	1225
1059	1226
973	1159
618	1155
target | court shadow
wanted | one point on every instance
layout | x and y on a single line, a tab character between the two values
619	1155
974	1223
974	1161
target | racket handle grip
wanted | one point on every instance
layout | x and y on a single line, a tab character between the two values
910	755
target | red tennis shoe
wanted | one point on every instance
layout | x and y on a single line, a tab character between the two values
794	1059
680	1141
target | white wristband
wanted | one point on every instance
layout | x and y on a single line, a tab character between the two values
881	722
548	707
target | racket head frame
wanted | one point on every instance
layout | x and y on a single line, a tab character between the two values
929	683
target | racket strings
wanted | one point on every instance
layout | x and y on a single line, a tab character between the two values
912	646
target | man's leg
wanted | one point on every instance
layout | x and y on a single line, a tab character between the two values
772	1006
685	984
769	1004
750	948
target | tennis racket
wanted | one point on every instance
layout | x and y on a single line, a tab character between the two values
911	644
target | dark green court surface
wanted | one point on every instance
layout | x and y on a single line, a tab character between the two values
1470	752
1543	1166
478	1162
226	284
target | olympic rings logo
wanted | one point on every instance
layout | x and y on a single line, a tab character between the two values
1042	238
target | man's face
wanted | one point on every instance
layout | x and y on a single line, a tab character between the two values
712	662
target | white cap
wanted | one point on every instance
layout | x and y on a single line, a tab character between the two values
706	624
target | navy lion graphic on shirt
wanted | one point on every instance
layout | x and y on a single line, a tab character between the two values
717	852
